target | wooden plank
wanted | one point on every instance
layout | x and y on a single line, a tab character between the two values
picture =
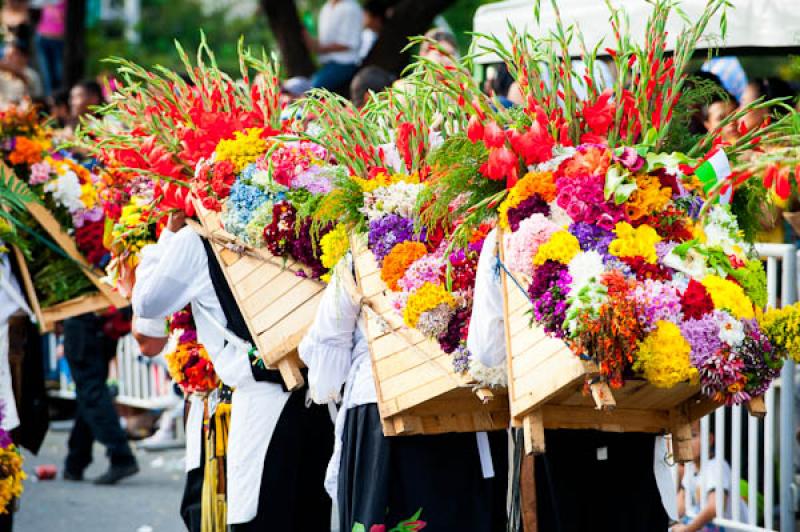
412	378
681	429
74	307
533	428
286	335
619	420
289	305
540	386
30	290
260	303
256	279
244	267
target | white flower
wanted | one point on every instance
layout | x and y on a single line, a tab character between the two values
585	267
560	154
731	331
391	157
487	376
559	216
66	191
694	265
588	299
399	198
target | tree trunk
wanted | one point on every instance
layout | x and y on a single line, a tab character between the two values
407	18
288	30
75	43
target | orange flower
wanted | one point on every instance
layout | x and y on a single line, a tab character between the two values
591	161
26	151
649	197
398	260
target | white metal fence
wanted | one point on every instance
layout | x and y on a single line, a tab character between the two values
767	447
141	382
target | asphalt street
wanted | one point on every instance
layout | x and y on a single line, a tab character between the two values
147	502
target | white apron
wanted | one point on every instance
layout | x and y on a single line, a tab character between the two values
255	410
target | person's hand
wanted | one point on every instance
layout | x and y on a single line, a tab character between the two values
679	528
176	221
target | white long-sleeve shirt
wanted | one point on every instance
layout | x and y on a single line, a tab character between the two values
336	352
487	341
11	300
172	274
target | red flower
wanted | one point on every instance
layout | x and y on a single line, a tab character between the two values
475	129
377	528
502	164
600	115
493	135
695	301
534	146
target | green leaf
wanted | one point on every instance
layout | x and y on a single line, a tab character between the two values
620	184
358	527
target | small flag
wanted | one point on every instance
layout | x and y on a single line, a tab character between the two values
713	172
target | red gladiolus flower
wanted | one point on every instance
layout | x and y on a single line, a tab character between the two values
782	187
475	129
600	115
493	135
534	146
770	176
502	164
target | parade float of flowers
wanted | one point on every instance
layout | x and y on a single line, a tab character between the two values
11	473
188	362
631	238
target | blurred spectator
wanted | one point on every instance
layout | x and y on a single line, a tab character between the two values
15	18
338	45
369	79
374	17
729	71
50	42
721	106
768	88
18	80
514	94
294	88
83	97
58	105
697	501
498	82
440	46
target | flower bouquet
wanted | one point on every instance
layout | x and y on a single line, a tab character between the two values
210	147
11	473
56	193
188	362
417	295
627	257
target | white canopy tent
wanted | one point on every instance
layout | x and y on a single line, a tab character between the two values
751	24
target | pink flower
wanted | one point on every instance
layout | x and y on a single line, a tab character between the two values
40	173
522	245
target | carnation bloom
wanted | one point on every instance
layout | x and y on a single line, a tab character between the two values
398	260
428	297
586	267
663	356
243	149
334	246
561	247
729	296
522	245
638	242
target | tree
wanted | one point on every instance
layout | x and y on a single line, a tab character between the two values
288	31
406	18
75	43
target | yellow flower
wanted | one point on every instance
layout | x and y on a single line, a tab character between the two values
334	245
562	247
729	296
88	195
244	149
13	475
663	357
638	242
384	180
427	297
648	198
782	327
540	183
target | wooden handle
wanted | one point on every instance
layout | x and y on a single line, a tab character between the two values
291	374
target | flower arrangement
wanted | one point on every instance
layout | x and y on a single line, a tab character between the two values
267	190
782	327
412	524
11	473
673	301
188	363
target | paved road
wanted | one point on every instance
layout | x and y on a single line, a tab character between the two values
149	499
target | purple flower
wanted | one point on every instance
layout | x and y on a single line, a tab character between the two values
630	159
385	233
314	180
548	292
461	360
529	206
592	237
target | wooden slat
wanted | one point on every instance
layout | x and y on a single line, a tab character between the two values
73	307
619	420
287	304
30	290
257	304
286	335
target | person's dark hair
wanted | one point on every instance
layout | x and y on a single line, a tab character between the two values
92	87
502	80
59	98
440	35
771	88
370	78
376	8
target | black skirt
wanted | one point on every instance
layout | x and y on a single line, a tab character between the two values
292	497
598	481
384	481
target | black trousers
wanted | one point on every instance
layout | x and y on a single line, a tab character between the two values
88	352
384	481
192	501
598	481
292	497
7	522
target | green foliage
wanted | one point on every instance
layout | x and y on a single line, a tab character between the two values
749	202
698	93
164	21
